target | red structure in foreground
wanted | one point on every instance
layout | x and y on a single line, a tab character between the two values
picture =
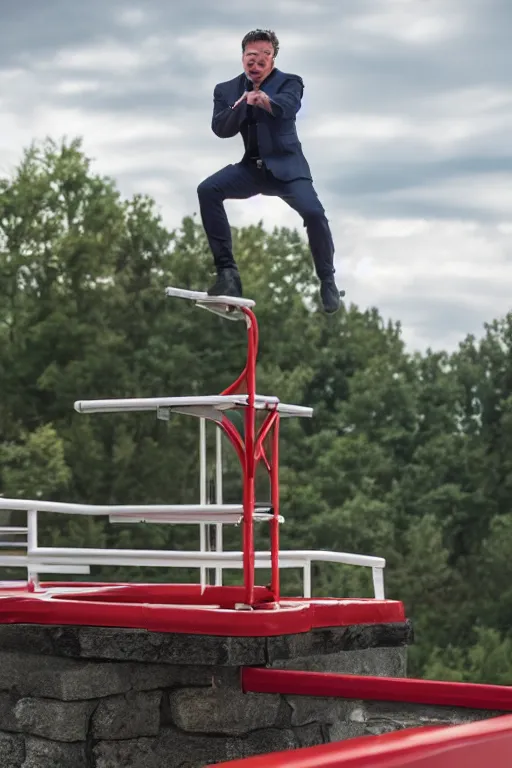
183	608
407	690
250	449
485	744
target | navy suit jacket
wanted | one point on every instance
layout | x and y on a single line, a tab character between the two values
279	145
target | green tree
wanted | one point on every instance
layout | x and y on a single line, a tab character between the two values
408	456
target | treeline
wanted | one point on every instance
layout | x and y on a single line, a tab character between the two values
408	456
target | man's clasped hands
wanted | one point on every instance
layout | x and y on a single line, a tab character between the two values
255	98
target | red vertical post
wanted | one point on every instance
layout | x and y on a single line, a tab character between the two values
250	463
274	523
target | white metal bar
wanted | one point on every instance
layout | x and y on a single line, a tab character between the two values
346	558
202	463
287	558
83	570
230	518
15	530
378	583
307	579
218	500
32	528
50	559
288	409
203	297
13	561
78	560
179	404
152	403
118	509
234	314
202	492
32	572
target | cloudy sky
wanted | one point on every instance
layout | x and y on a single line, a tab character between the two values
406	122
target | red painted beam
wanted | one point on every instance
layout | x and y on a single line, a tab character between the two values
475	745
426	692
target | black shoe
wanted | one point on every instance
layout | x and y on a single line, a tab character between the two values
228	283
330	295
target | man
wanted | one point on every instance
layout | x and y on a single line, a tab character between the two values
261	104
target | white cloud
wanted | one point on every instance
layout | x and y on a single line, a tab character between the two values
71	87
467	119
489	194
415	23
111	56
362	127
131	17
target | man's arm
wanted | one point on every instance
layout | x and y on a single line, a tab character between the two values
226	120
287	102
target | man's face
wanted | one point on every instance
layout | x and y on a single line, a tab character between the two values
258	60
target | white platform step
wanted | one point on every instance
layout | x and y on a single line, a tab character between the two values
17	530
202	296
207	406
227	307
175	513
208	516
23	561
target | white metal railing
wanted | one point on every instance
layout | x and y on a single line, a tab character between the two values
79	560
73	560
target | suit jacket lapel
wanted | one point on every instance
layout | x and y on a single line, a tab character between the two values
271	85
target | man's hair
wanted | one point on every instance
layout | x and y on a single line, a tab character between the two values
261	34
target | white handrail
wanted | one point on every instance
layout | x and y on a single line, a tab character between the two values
65	559
196	405
67	508
41	559
202	296
75	560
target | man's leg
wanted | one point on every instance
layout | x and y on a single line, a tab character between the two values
300	195
234	182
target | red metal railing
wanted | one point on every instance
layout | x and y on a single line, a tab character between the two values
398	689
250	449
484	744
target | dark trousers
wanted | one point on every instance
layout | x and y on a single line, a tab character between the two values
244	180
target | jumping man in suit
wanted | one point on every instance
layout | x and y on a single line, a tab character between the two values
261	105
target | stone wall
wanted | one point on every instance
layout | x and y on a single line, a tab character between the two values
105	698
102	698
346	718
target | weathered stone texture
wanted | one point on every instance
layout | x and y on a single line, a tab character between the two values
57	720
175	749
129	716
324	642
114	644
223	711
107	698
382	716
168	648
29	674
12	750
380	662
41	753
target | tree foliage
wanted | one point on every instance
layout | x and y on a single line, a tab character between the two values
408	456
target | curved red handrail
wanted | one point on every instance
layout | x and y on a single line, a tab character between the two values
475	745
250	452
399	689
